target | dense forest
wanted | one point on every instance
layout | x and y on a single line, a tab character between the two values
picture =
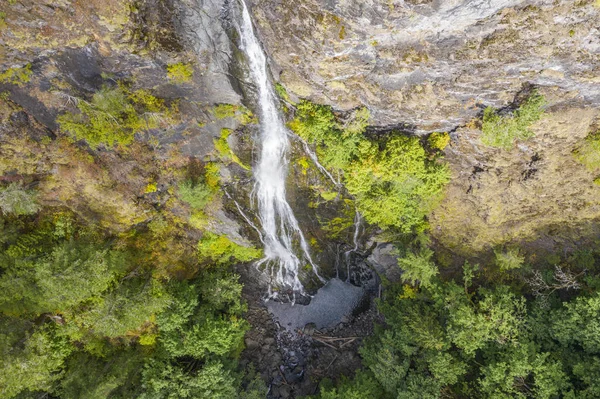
458	196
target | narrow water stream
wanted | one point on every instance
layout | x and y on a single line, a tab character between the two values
286	249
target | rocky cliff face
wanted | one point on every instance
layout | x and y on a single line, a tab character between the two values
426	66
418	66
431	65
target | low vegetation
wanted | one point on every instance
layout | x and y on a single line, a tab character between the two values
219	249
589	152
84	312
225	152
180	72
16	200
395	182
504	130
114	116
16	76
242	114
438	141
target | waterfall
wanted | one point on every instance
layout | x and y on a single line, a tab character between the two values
280	229
357	224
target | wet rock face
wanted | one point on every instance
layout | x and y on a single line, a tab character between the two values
203	27
432	64
385	261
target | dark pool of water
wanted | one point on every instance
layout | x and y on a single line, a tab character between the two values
332	304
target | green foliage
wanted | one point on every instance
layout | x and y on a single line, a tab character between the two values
396	186
328	195
521	372
360	387
121	310
170	381
219	249
84	313
242	114
336	226
197	196
317	125
509	260
418	267
222	111
225	151
151	188
180	72
452	340
394	181
73	272
589	152
256	388
502	131
223	293
282	92
191	328
93	377
113	117
213	175
33	363
16	200
497	316
578	323
438	141
16	76
448	369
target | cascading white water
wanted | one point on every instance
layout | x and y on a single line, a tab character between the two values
279	225
357	224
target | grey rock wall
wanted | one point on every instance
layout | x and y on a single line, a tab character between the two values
431	64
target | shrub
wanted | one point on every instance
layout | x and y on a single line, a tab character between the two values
151	188
223	111
34	363
213	175
197	196
393	180
314	123
113	117
589	152
180	72
221	250
282	92
509	260
72	273
225	151
397	186
16	76
256	387
418	267
133	303
502	131
241	113
164	380
438	141
16	200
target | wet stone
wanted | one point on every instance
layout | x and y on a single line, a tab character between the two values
251	344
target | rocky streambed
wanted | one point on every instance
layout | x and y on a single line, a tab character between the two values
291	357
